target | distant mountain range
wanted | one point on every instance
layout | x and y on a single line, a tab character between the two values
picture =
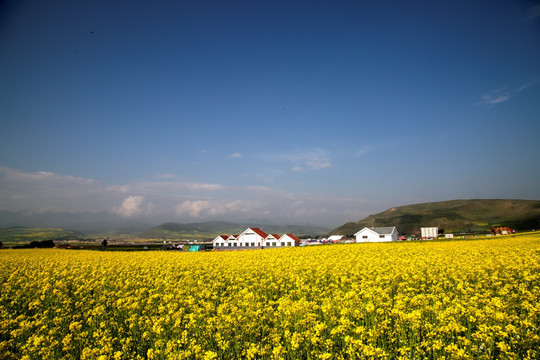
26	235
453	216
103	222
109	224
210	229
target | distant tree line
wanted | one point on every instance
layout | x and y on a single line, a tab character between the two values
37	244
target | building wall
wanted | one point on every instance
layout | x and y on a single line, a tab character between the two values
249	238
286	239
368	235
429	232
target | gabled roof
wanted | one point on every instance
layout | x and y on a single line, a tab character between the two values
220	237
260	232
292	237
384	230
387	230
275	236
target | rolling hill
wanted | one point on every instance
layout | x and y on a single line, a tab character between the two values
98	223
478	215
26	235
210	229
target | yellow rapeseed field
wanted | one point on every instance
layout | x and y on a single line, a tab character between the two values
437	300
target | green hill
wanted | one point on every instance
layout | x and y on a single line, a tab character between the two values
210	229
22	235
453	216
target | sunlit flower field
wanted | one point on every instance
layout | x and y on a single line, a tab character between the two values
455	300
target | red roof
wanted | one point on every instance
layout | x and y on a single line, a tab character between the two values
259	232
293	237
224	237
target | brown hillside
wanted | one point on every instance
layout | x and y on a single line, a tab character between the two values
478	215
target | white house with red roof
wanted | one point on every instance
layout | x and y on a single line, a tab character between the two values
220	240
255	238
272	240
251	237
289	240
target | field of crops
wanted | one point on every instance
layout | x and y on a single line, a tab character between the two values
464	299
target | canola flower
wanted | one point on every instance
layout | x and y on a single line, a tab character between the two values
437	300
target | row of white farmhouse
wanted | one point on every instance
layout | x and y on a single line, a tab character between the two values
255	238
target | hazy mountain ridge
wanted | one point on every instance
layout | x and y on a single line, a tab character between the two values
109	224
211	229
82	222
24	234
476	215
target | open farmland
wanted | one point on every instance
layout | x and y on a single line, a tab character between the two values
457	299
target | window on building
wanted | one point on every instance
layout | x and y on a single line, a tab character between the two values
364	237
382	236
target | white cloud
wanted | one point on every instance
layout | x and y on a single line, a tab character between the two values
236	155
193	208
317	163
301	159
48	191
134	206
502	95
162	201
212	208
166	187
528	85
495	97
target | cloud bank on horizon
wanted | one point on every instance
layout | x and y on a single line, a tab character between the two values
165	200
298	112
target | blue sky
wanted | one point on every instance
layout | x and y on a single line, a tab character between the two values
298	112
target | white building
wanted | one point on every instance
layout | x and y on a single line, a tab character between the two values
272	240
289	240
429	232
251	237
335	237
377	234
220	241
255	238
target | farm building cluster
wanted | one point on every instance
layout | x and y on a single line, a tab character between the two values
255	238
